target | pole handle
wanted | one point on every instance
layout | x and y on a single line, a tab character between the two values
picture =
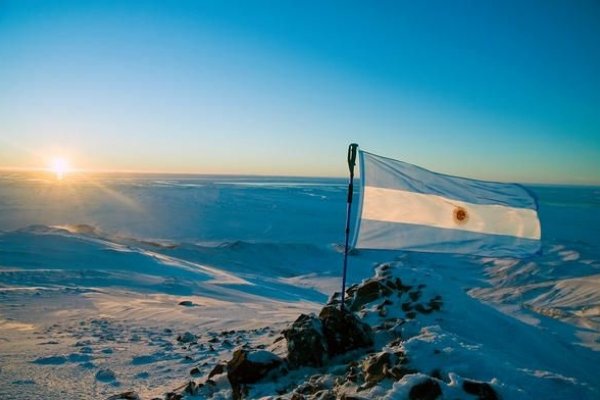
352	158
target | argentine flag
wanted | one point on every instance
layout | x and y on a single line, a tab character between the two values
405	207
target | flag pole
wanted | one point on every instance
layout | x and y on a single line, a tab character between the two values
351	163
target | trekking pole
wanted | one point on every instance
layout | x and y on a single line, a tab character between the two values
351	163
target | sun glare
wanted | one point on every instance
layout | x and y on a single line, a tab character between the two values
60	166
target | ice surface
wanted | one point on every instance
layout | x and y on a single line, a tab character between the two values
92	273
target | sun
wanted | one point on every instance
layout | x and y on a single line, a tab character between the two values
60	166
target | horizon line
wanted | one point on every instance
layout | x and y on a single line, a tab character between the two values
221	174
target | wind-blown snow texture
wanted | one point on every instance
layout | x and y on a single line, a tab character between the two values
99	278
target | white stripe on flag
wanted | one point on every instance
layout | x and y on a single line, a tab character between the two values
400	206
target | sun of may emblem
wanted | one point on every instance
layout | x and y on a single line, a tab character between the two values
461	216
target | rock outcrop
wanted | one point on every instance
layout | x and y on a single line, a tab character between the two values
482	390
343	331
125	396
306	343
428	389
311	341
187	337
341	353
249	366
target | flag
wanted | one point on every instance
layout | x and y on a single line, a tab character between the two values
405	207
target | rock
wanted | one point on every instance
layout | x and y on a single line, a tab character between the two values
306	343
423	309
344	331
399	371
191	388
414	295
353	374
195	371
248	366
187	337
387	302
436	373
483	390
426	390
323	395
105	375
334	298
401	287
376	367
125	396
351	290
436	303
186	303
367	292
217	370
309	388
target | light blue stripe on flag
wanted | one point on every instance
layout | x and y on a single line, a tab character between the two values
406	207
393	174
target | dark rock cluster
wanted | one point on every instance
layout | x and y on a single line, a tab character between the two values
428	389
332	355
343	331
244	369
312	340
125	396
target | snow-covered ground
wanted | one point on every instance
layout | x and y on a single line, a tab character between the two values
102	276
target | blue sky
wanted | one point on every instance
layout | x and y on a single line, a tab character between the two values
505	91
